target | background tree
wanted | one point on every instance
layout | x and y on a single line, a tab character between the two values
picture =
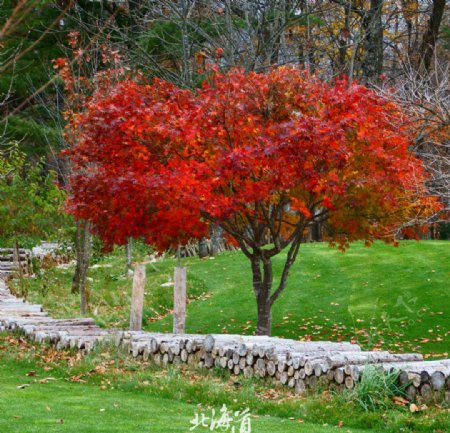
175	39
30	37
30	202
426	99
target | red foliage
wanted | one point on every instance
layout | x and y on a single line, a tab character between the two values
91	68
255	153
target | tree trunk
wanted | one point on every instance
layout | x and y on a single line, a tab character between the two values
134	9
264	322
78	254
84	267
262	285
263	280
186	71
343	43
431	35
373	26
203	248
216	237
83	252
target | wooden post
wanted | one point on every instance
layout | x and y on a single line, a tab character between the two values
137	298
179	301
129	251
16	258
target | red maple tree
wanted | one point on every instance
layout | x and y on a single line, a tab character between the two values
264	156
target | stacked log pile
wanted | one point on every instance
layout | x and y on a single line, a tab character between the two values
9	262
298	365
31	321
295	364
51	253
192	249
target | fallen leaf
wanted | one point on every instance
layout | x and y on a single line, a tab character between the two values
414	408
400	401
47	379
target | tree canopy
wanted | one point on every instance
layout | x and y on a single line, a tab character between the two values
263	155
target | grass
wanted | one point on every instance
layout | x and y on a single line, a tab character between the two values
381	297
53	403
108	392
376	389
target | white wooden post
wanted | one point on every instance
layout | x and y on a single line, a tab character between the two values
137	298
179	301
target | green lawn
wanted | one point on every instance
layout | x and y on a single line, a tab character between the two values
108	392
394	298
60	406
